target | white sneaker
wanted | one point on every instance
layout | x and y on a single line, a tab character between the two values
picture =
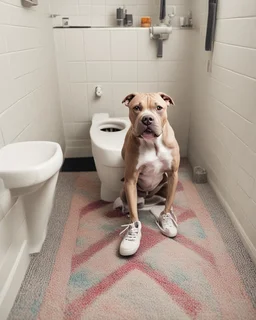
131	241
167	223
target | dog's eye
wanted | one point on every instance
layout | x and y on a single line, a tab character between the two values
136	108
159	108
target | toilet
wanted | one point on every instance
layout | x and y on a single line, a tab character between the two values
107	138
30	171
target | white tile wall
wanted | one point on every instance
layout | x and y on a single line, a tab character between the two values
74	45
77	71
98	71
223	118
238	8
124	44
124	71
97	45
148	71
109	57
29	104
30	107
103	12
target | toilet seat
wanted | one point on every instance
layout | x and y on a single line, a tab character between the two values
109	140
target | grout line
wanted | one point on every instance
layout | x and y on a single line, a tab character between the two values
10	106
22	50
238	138
236	72
19	26
230	109
86	74
113	111
211	77
237	18
21	132
11	4
25	74
235	45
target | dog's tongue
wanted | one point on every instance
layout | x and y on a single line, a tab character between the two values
148	134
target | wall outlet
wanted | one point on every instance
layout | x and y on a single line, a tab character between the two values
29	3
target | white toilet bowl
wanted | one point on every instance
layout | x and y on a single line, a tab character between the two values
30	171
107	138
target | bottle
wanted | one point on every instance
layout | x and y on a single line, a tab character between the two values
190	21
145	22
120	17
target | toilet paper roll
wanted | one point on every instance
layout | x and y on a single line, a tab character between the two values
159	30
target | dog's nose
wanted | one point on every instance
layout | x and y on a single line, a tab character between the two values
147	120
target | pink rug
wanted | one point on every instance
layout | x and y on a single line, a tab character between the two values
190	277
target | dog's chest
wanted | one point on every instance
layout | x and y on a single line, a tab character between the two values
154	158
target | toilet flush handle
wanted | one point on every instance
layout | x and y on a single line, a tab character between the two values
98	91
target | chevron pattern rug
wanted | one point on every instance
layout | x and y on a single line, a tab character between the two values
193	276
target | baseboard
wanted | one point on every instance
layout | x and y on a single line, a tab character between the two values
78	165
13	282
244	238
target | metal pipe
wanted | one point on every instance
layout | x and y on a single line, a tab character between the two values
159	48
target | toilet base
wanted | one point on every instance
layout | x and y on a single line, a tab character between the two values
38	207
107	194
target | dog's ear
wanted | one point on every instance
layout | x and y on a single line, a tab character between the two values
128	98
166	98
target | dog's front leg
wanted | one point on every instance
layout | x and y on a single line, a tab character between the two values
171	189
167	221
131	241
130	187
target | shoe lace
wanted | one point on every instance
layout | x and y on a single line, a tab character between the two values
132	231
169	219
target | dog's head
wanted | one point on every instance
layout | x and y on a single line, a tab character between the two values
148	113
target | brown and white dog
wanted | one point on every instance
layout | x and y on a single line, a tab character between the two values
152	158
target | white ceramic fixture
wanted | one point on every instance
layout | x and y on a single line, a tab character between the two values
30	171
107	138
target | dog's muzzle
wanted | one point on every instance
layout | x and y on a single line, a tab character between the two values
148	127
147	120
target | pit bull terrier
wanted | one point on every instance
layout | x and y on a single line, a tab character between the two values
152	158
